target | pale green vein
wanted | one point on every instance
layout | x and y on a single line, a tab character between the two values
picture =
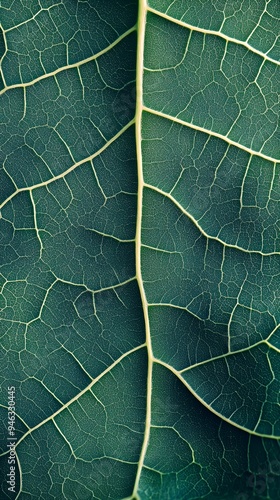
225	355
175	306
214	238
180	436
70	169
99	290
77	397
132	240
65	439
42	9
209	132
138	133
74	65
36	224
5	52
209	407
213	32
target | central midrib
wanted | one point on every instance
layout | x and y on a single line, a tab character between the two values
142	12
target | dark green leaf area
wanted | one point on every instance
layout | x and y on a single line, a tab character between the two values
205	454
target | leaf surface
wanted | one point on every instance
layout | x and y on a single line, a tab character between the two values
139	249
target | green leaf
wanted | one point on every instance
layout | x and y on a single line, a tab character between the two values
139	249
